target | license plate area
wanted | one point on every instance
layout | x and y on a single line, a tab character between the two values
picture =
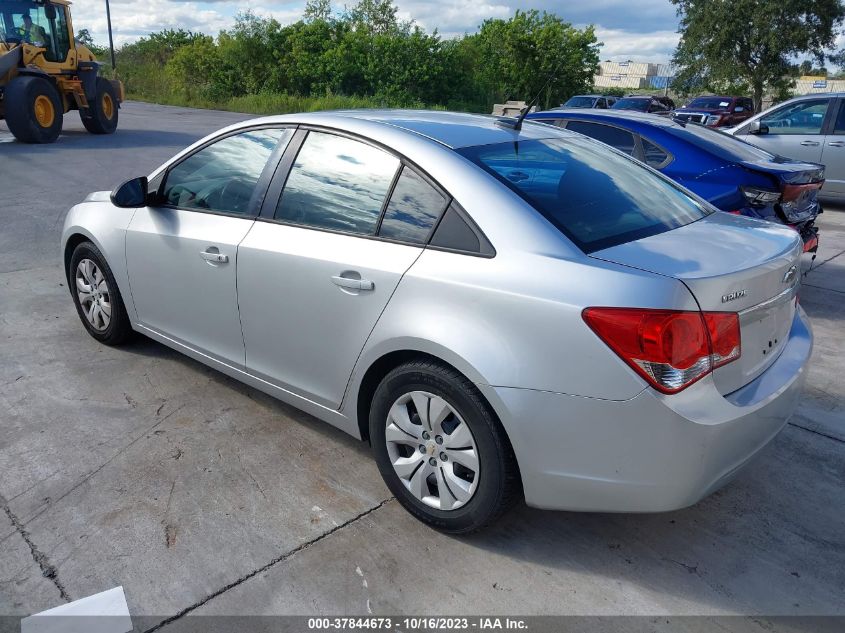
764	330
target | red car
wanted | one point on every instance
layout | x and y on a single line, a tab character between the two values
715	111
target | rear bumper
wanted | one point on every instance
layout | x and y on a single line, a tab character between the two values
651	453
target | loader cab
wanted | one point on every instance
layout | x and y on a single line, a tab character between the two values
52	17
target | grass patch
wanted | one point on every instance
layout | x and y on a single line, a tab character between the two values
277	103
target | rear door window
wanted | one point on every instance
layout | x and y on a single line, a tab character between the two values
596	198
615	137
653	155
337	183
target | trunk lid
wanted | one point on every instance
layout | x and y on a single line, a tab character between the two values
730	264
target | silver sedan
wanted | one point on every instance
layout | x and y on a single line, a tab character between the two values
499	312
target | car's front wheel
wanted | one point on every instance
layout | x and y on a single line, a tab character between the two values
96	296
440	449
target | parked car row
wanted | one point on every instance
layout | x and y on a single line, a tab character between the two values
712	111
732	175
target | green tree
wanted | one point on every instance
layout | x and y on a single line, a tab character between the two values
534	53
750	43
320	10
375	16
84	37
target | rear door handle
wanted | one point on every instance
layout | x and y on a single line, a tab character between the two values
353	284
836	144
217	258
810	143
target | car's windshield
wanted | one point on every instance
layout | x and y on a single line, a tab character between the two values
632	104
710	103
595	195
580	102
722	145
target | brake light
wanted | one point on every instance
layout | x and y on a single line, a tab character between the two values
671	349
791	193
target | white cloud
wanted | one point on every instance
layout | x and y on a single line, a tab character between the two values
622	45
641	30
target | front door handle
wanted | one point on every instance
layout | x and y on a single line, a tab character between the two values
353	284
810	143
215	258
836	144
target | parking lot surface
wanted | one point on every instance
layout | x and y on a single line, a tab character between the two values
139	467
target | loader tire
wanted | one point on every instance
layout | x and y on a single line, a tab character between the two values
101	116
34	111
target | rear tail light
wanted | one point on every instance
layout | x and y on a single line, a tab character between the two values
671	349
791	193
760	197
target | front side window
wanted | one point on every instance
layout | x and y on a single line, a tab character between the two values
596	198
622	140
413	210
337	183
806	117
222	177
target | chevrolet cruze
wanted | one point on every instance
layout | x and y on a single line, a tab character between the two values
499	310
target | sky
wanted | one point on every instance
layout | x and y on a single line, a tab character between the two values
640	30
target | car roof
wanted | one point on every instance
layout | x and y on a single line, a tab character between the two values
451	129
628	115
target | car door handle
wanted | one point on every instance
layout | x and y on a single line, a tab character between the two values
810	143
836	144
353	284
217	258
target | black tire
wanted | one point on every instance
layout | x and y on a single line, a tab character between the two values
101	115
499	483
34	111
118	330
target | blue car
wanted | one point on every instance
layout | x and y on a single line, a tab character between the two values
731	174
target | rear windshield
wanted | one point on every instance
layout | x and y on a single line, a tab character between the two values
710	103
596	196
632	104
723	145
580	102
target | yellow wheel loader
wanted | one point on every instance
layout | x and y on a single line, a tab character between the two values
45	72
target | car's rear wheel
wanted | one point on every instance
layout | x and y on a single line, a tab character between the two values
440	449
96	296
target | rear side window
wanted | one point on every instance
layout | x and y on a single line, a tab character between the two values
414	208
222	177
615	137
596	198
338	184
653	155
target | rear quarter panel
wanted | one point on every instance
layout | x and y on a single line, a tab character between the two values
515	320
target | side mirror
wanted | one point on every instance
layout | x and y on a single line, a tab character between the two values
758	128
50	11
131	194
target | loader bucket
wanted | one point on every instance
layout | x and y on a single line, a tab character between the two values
10	60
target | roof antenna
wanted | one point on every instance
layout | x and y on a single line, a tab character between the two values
517	125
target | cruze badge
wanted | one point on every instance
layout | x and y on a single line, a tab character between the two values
734	295
789	275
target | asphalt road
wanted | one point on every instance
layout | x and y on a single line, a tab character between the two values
139	467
